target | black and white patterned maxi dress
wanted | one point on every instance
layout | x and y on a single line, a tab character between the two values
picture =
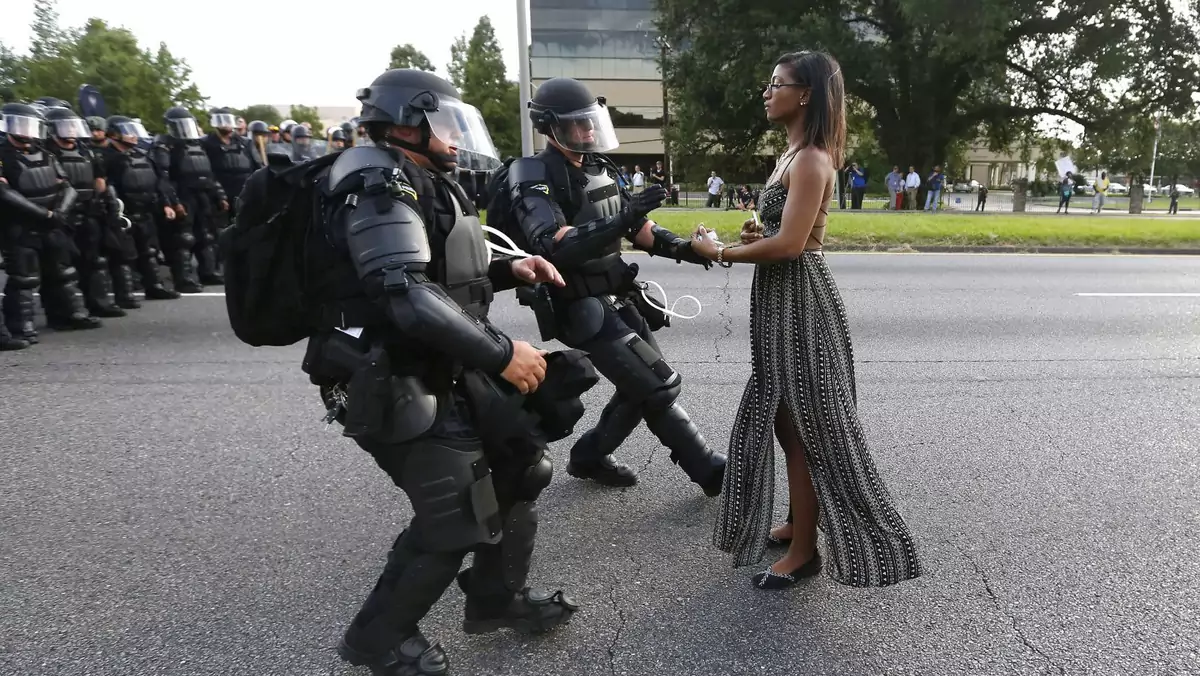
802	359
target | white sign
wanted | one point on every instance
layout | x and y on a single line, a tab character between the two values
1064	165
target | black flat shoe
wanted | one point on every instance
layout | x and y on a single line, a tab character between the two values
776	543
769	579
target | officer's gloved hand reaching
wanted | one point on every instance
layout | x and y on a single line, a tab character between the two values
646	201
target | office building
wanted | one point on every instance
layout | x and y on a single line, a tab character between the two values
609	45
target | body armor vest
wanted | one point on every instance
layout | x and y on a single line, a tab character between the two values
80	172
37	179
598	198
138	182
464	262
233	162
190	167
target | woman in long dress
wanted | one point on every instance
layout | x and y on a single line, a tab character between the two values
802	385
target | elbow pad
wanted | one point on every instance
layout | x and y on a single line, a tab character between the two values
529	190
423	310
384	234
10	197
585	242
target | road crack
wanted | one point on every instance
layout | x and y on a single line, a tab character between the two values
726	318
987	585
621	620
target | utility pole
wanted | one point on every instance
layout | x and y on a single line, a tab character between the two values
524	78
1154	155
663	46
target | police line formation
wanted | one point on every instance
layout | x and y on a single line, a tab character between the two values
376	256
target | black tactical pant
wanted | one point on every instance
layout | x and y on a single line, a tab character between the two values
205	216
464	499
40	256
178	238
144	228
623	349
94	256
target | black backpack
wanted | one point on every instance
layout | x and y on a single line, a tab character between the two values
264	253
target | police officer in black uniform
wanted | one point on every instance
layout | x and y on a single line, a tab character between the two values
302	148
201	197
259	136
147	195
39	249
408	261
97	127
568	207
11	201
94	224
337	140
231	155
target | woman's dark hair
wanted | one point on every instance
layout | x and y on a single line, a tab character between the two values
825	114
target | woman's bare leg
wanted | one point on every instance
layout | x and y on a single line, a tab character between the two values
803	497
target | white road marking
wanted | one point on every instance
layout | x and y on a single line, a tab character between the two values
1140	295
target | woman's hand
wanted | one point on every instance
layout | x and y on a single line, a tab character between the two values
703	245
751	231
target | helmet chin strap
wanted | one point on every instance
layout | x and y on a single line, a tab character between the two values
441	161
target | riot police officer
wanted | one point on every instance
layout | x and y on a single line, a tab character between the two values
147	194
260	136
302	149
337	140
10	200
97	126
39	250
200	199
567	206
230	154
409	267
98	234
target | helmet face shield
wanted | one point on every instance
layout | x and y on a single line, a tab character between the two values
223	121
461	125
587	130
130	132
23	126
184	128
71	128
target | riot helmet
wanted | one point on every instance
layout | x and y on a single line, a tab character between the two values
222	119
23	123
564	110
51	102
301	139
181	124
125	130
258	127
415	98
65	127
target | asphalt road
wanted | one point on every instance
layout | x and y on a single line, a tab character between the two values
170	502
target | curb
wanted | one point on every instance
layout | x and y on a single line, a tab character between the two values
1131	251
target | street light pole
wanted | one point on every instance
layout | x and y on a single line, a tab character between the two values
1154	155
524	80
663	46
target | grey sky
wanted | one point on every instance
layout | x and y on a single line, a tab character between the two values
299	56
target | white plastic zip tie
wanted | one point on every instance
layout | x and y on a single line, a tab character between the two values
516	251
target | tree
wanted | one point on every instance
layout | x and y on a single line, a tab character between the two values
260	111
1131	152
477	70
933	72
407	56
134	82
307	114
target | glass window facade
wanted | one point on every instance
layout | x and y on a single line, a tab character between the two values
593	39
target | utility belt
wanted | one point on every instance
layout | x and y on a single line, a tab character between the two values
549	302
365	391
606	276
472	296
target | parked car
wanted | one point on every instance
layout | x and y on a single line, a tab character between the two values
1117	189
971	186
1183	190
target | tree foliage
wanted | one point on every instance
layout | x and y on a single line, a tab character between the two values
1131	152
135	82
307	114
477	70
260	111
933	72
407	56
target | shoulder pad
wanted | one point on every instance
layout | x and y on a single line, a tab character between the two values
526	170
354	160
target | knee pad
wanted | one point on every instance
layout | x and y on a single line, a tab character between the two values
636	369
534	479
453	499
663	399
100	262
583	320
187	240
